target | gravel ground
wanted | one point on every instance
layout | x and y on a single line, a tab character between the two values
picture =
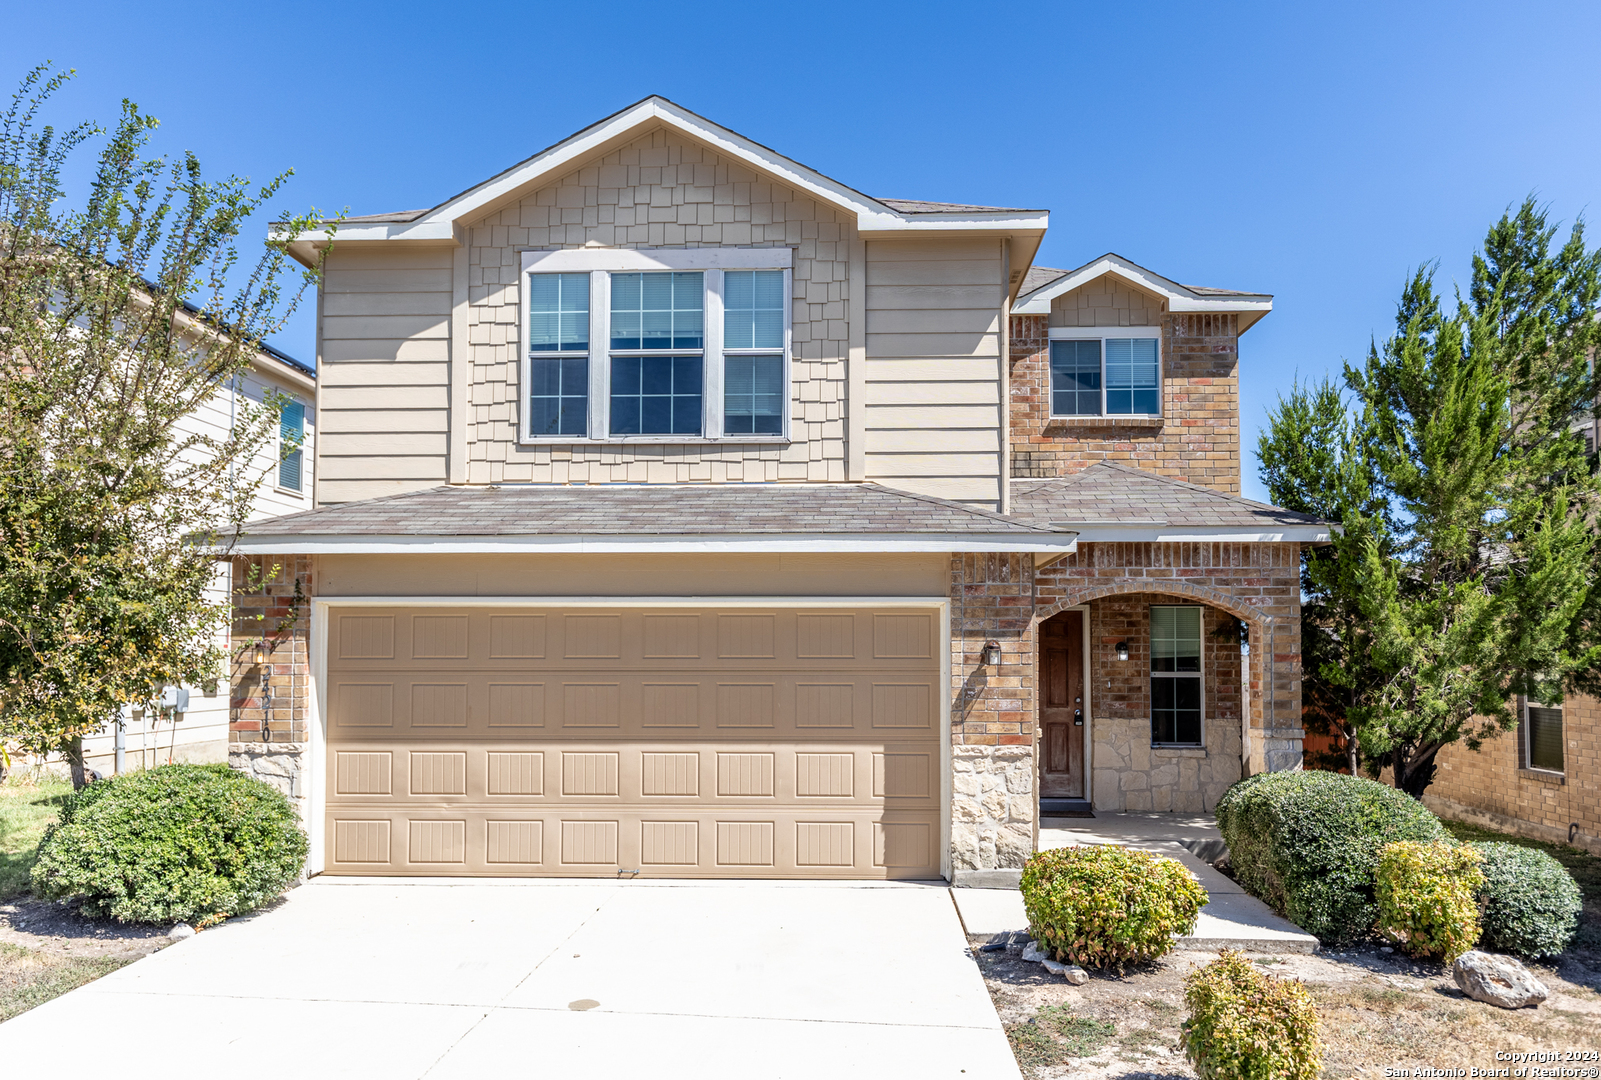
1377	1010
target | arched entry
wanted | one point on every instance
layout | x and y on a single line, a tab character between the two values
1063	704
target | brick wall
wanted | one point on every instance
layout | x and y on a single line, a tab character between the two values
1487	787
269	706
664	190
1129	773
993	715
1259	583
1198	436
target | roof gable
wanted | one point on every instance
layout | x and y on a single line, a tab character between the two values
444	221
1181	299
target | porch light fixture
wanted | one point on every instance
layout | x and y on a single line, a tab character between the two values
260	655
1122	650
991	654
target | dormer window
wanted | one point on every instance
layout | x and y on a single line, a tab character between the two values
1106	371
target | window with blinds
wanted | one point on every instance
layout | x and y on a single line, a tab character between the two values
1096	375
1175	676
291	437
1542	738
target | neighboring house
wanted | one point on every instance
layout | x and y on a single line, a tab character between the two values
199	730
1542	779
683	511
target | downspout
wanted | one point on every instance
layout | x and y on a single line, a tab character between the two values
1006	378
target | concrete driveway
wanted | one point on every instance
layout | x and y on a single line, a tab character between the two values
388	978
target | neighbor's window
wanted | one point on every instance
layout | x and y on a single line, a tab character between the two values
753	352
658	337
291	436
1176	676
1106	376
1542	737
558	348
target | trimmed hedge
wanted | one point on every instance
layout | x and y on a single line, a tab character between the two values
1308	844
1531	903
1427	896
1107	906
1245	1025
180	843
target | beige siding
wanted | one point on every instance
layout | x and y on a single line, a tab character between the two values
1107	301
385	374
633	575
663	190
933	393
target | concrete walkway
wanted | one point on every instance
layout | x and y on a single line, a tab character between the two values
1232	917
392	978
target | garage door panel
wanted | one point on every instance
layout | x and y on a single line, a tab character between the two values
601	842
693	743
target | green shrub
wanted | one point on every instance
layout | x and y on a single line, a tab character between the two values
1245	1025
1427	895
1307	843
1106	906
178	843
1531	904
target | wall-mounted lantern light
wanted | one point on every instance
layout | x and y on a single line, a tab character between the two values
992	653
259	657
1122	650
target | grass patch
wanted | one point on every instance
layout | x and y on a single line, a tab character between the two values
27	807
30	977
1585	868
1054	1036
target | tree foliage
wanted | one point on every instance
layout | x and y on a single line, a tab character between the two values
1463	573
119	317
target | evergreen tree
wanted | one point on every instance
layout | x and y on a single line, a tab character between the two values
1463	572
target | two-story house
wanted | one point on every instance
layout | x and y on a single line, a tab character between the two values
683	511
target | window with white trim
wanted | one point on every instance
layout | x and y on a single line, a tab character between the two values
696	344
1106	371
1541	738
291	440
1176	691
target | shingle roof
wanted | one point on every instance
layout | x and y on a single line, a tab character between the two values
1107	493
393	215
648	510
1038	277
923	206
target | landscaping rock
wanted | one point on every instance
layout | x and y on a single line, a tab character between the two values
1033	954
181	931
1076	975
1497	980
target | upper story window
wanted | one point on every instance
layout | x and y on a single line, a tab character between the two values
1106	371
696	344
1541	738
1175	676
291	439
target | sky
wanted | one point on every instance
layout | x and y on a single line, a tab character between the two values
1318	152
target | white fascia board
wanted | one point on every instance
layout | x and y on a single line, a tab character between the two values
634	601
1178	297
1089	533
1005	221
622	259
312	544
652	109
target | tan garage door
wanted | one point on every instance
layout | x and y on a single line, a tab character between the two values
672	742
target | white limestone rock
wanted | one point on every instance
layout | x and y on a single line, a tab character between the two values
1497	980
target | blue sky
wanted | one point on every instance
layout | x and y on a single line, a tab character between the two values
1317	152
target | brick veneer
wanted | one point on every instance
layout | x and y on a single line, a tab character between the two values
1487	786
1197	438
267	732
993	707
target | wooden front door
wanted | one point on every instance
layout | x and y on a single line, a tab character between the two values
1062	712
